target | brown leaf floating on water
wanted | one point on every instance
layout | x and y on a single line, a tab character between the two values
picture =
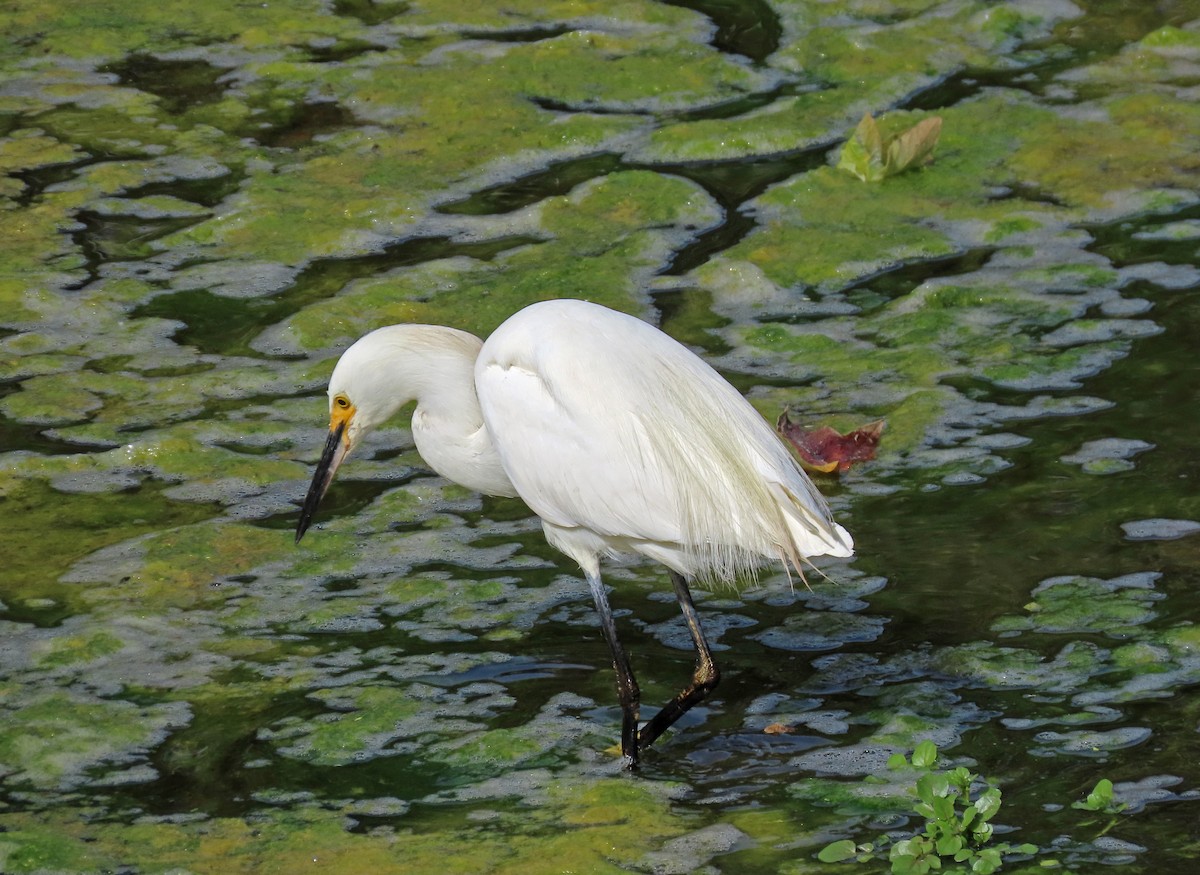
778	729
825	449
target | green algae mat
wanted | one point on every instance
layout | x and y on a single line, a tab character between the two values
203	203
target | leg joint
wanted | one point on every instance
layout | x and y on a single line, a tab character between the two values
707	676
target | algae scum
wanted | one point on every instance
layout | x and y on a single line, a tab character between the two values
203	203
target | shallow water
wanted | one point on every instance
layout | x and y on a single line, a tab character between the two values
204	205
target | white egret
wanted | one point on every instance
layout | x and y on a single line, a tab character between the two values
618	437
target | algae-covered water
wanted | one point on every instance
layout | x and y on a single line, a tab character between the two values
203	203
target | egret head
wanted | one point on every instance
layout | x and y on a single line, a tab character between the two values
361	397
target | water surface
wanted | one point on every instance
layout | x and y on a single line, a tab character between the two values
204	204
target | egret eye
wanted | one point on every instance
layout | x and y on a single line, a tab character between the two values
341	402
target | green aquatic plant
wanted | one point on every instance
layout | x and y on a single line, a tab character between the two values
1101	799
958	807
958	830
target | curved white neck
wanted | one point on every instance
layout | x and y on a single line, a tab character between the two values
450	434
435	366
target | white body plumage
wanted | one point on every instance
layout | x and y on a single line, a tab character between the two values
622	440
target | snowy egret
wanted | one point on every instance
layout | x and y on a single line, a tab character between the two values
618	437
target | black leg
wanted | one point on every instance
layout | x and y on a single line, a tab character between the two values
627	688
704	679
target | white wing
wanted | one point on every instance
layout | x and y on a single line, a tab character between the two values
607	425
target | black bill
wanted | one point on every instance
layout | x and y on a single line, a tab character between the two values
331	457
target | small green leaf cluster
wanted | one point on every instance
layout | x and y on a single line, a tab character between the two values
958	830
871	160
1101	799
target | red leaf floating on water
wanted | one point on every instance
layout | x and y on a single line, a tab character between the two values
826	449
